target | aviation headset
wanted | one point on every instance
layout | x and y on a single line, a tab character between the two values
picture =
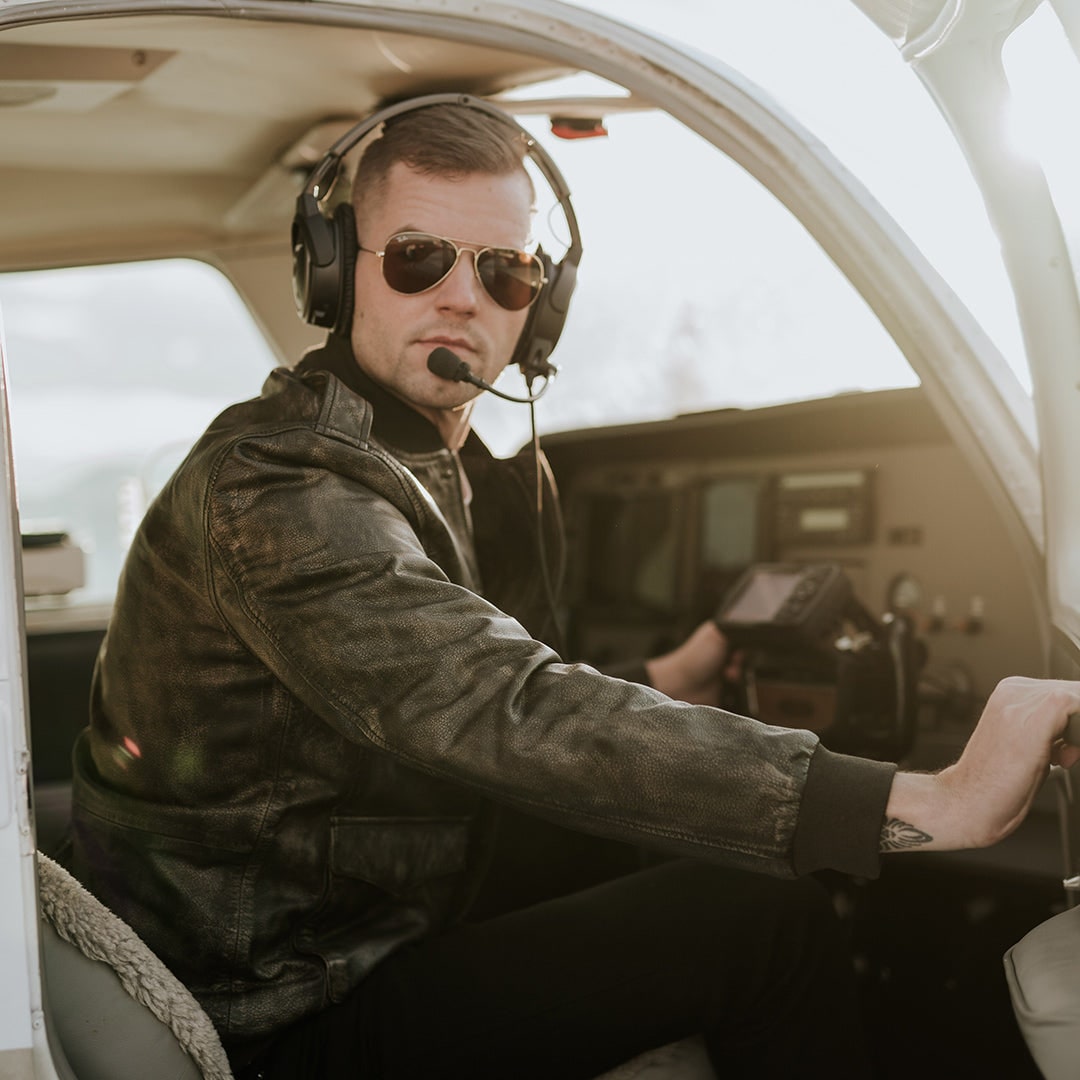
325	248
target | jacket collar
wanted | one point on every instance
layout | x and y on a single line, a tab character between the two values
394	422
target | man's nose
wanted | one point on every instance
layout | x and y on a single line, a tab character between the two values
461	288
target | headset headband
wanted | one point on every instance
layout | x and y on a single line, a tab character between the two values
324	249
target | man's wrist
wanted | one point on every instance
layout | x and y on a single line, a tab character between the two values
917	816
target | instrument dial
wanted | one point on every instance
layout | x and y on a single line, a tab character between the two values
905	593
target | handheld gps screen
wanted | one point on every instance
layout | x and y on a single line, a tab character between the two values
779	604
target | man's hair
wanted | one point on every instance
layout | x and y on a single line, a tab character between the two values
450	141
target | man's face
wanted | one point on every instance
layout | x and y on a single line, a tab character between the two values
392	333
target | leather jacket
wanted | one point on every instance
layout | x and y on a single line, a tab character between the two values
304	711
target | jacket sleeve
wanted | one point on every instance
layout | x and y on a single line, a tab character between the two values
326	581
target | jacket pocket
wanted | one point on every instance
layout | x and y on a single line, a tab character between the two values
390	881
398	855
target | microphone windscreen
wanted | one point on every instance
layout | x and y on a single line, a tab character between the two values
447	365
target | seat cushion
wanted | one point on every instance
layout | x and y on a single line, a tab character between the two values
119	1013
1043	972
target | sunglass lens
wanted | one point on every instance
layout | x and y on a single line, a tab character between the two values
512	278
412	264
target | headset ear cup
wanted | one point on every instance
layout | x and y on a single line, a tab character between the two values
316	264
301	268
546	319
348	249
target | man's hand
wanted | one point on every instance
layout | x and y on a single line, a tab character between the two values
987	793
693	672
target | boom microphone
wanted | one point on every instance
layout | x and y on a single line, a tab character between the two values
448	365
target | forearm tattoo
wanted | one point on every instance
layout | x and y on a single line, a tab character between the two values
897	835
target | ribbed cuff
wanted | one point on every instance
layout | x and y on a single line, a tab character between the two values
843	807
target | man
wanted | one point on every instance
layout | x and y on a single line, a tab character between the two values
310	702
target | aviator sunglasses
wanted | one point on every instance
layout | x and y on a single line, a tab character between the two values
413	262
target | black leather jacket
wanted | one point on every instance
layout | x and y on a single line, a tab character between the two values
304	712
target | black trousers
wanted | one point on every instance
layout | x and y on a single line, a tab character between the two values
572	987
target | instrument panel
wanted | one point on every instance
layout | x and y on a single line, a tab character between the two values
663	519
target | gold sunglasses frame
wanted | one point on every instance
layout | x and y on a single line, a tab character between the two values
459	246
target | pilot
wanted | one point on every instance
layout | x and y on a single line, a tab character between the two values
318	688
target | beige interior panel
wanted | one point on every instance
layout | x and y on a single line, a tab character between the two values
122	136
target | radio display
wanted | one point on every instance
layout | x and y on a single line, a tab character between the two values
825	519
825	508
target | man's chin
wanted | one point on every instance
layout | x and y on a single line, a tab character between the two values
450	397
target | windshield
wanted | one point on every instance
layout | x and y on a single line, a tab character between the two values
698	289
871	111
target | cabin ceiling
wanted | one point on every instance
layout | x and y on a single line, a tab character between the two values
133	136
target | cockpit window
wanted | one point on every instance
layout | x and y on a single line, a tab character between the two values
699	287
113	372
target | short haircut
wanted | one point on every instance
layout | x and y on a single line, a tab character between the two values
449	140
